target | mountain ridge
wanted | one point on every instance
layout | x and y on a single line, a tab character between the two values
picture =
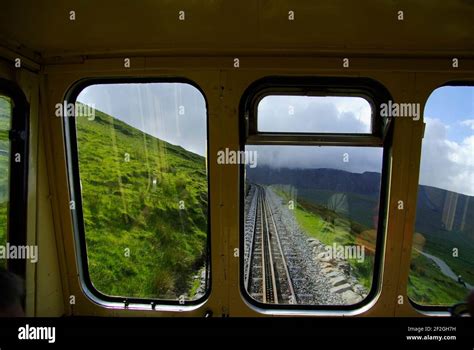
437	209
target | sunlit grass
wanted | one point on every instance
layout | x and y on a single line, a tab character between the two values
427	285
140	243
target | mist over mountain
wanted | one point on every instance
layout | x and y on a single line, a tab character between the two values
367	183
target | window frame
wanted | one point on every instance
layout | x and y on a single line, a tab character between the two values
18	179
420	307
381	136
75	194
370	90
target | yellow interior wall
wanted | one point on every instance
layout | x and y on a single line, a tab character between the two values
43	281
406	80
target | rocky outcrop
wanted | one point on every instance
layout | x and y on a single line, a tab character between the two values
337	269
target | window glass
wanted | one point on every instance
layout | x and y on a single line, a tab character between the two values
143	176
311	212
442	265
314	114
5	125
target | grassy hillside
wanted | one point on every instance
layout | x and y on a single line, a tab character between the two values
428	286
360	208
5	121
145	197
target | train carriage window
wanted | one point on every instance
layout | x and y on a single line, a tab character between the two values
14	254
141	189
442	265
311	204
5	126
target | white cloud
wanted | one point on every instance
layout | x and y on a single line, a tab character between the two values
155	109
469	123
314	114
445	163
359	107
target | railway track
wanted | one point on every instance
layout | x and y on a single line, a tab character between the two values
267	276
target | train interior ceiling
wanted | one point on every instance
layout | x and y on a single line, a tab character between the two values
237	158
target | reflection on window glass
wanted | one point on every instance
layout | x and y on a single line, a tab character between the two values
314	114
5	125
442	266
311	213
142	164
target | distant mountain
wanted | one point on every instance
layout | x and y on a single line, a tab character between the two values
438	210
367	183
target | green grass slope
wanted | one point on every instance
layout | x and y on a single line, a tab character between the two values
140	241
360	208
331	227
428	286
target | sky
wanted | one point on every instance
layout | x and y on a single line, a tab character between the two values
280	113
176	113
448	146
